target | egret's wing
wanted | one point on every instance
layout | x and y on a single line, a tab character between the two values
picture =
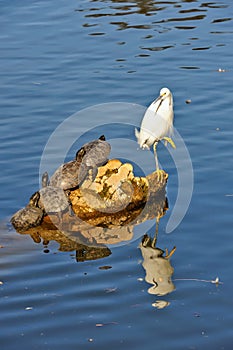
154	125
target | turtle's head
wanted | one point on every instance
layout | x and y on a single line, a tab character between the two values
34	199
80	153
102	138
45	179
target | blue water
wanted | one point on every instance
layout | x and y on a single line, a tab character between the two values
56	60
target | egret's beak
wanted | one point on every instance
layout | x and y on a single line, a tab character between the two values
159	99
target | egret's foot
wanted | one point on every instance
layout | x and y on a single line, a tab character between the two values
169	140
160	175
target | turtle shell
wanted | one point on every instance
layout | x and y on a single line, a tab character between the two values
53	200
69	175
96	153
27	217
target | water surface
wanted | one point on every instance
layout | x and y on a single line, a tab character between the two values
58	60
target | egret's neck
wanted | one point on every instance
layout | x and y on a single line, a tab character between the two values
163	106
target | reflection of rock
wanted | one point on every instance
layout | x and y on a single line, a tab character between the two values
104	235
157	266
84	250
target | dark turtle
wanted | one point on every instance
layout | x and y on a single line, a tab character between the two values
30	216
53	200
96	154
70	175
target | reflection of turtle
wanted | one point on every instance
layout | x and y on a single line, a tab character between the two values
53	200
91	253
29	216
70	175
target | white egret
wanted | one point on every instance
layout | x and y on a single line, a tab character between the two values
157	124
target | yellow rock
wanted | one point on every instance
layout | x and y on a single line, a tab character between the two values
107	208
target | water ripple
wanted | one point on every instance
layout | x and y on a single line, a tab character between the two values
55	61
220	20
158	48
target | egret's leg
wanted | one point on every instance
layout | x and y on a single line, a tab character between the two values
156	157
168	139
159	171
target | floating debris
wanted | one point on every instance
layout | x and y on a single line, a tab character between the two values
216	281
221	70
140	279
106	324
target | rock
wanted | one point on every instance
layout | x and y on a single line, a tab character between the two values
107	209
114	190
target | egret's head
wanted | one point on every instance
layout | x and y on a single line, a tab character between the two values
165	92
164	95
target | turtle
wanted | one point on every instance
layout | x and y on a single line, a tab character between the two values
71	174
53	200
30	216
96	153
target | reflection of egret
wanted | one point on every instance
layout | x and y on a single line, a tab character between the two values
157	123
157	266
